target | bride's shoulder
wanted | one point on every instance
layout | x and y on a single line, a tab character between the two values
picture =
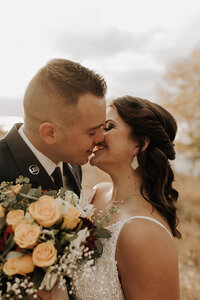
100	190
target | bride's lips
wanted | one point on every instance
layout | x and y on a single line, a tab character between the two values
98	148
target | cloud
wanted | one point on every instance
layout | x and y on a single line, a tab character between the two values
102	43
138	82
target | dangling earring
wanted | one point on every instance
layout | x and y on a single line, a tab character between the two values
134	163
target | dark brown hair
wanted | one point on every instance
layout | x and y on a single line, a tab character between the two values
150	120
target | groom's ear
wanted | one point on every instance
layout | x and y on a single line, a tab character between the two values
47	132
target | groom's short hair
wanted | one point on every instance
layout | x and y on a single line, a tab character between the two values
54	91
68	80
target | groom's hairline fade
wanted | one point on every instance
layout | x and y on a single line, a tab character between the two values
56	88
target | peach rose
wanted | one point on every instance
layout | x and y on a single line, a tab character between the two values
19	265
44	254
45	211
71	218
14	217
2	211
26	234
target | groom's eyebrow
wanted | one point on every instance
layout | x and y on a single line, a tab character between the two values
96	127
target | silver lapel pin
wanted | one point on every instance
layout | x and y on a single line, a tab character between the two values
34	169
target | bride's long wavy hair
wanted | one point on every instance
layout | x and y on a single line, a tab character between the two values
150	120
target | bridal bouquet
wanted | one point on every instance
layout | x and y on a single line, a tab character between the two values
44	236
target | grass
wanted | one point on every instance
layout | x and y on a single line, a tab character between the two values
189	226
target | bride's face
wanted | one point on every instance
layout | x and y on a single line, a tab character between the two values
118	147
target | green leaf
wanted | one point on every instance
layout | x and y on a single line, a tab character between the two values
9	202
10	243
67	237
28	197
58	245
25	189
103	233
51	193
38	192
79	226
99	247
37	277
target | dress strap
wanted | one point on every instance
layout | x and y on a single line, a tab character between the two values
153	220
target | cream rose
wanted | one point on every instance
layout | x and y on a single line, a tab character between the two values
44	254
71	218
19	265
45	211
14	217
2	211
26	234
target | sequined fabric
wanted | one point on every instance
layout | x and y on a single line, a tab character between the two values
103	282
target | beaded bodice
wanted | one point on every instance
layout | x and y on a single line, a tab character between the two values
103	282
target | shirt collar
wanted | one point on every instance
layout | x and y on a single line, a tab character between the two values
48	164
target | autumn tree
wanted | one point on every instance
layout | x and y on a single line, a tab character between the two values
180	92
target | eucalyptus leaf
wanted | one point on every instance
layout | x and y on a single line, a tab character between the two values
38	192
9	202
103	233
52	193
99	247
28	197
25	189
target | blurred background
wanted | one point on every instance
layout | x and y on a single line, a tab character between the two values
149	49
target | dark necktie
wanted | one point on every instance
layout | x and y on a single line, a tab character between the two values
57	177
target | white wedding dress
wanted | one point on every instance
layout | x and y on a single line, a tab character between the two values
103	283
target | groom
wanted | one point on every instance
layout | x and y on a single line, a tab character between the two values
64	112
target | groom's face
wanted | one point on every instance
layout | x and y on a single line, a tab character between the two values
75	143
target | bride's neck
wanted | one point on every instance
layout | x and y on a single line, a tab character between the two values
126	183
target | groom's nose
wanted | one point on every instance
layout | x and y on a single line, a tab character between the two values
99	137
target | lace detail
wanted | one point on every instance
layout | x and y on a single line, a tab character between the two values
102	283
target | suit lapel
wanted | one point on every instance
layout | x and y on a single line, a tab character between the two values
26	161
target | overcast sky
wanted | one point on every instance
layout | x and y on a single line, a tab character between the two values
129	42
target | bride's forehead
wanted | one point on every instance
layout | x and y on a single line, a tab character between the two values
111	112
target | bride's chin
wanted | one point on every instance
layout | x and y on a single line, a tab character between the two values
95	162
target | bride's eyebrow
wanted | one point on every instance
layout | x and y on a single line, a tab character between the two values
109	121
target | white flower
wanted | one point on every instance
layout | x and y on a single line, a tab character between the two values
71	197
49	280
76	244
62	205
28	217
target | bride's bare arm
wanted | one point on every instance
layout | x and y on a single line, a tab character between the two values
147	262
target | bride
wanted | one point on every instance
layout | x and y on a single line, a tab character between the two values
140	260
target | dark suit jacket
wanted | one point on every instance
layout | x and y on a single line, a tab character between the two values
16	159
